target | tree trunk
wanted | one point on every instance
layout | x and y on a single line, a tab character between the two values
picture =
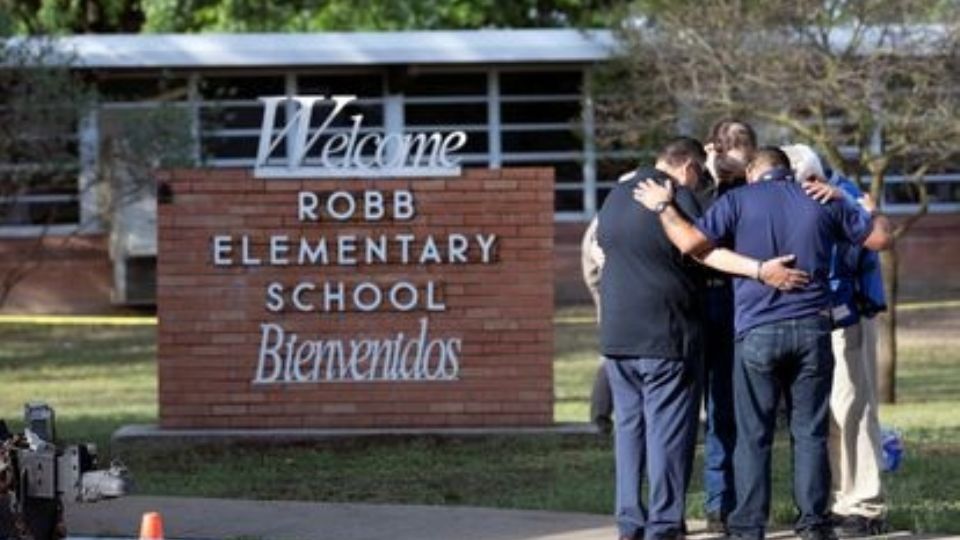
887	346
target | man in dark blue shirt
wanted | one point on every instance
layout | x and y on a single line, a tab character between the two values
783	338
650	334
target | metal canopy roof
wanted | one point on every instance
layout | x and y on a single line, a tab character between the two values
338	48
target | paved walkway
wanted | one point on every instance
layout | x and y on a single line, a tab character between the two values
271	520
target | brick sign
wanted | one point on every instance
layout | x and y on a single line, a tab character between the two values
355	303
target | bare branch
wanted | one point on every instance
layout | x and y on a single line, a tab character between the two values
917	180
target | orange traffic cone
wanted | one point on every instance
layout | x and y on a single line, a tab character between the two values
151	526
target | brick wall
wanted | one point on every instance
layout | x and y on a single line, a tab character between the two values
46	263
210	332
929	261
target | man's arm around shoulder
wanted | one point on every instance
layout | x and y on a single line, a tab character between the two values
881	230
691	241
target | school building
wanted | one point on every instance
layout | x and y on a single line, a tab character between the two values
523	97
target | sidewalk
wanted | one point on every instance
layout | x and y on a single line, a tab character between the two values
220	519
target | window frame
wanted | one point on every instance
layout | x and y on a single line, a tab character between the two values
90	220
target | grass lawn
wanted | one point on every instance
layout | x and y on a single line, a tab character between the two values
99	378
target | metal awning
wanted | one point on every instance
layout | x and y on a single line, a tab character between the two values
338	48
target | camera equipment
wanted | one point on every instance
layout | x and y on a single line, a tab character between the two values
36	477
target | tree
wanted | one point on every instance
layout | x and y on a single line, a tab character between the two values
870	83
36	17
325	15
44	104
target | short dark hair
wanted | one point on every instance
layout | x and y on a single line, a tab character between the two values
770	157
730	133
679	150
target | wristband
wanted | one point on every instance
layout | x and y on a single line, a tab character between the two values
759	271
661	207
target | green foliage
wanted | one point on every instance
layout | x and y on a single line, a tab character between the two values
320	15
83	16
104	16
43	106
149	139
36	17
135	143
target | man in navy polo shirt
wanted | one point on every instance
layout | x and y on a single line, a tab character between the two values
783	338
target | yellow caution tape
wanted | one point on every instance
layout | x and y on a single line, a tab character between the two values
89	320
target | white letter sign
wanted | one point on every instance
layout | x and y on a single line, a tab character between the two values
373	155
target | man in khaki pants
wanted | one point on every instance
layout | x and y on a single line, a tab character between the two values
855	432
857	286
855	458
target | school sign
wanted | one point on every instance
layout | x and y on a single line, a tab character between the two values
354	278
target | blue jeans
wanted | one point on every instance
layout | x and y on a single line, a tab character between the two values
791	357
655	406
720	429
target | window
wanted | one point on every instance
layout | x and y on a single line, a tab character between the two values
231	115
941	182
362	85
542	124
441	84
39	170
447	101
901	195
41	107
47	199
150	87
512	115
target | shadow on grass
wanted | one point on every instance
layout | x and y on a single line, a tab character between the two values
542	473
26	347
924	495
935	381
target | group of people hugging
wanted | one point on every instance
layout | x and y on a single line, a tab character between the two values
739	283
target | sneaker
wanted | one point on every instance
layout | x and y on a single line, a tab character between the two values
716	523
817	533
859	526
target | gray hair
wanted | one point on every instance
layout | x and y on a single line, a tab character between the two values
804	162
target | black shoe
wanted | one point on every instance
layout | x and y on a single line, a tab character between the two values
859	526
674	535
716	523
817	533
